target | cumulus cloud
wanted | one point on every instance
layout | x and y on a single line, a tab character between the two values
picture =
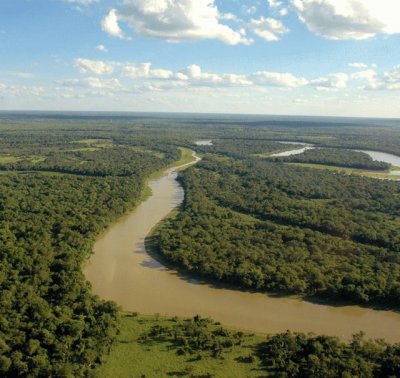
196	76
146	75
92	82
333	81
283	12
391	79
144	70
21	91
349	19
173	20
367	77
269	29
97	67
278	79
191	75
370	79
274	3
358	65
110	25
230	17
101	48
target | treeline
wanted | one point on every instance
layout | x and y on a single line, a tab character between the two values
336	157
268	226
297	355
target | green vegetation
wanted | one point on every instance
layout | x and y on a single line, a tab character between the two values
257	224
267	226
147	346
154	347
50	323
336	157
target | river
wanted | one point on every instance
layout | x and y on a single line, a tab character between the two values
375	155
122	271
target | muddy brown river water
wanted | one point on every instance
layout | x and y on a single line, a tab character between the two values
122	271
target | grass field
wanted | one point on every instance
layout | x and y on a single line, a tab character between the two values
14	159
131	358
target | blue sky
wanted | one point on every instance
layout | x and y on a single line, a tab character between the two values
299	57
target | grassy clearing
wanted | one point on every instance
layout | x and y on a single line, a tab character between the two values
158	154
8	159
131	358
186	158
36	159
349	171
85	149
14	159
98	142
92	145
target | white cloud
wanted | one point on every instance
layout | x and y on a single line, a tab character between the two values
95	82
391	79
249	9
173	20
101	48
365	74
274	3
370	79
92	82
197	77
358	65
278	79
97	67
230	17
193	76
283	12
20	91
333	81
143	70
269	29
110	24
349	19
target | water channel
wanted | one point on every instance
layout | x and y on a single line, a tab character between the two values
122	271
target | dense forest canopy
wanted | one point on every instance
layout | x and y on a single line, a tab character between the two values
256	223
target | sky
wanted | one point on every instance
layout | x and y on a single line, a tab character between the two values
289	57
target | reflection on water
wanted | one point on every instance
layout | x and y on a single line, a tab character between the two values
121	270
292	152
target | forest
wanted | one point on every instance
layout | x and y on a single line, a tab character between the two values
51	324
248	221
267	226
